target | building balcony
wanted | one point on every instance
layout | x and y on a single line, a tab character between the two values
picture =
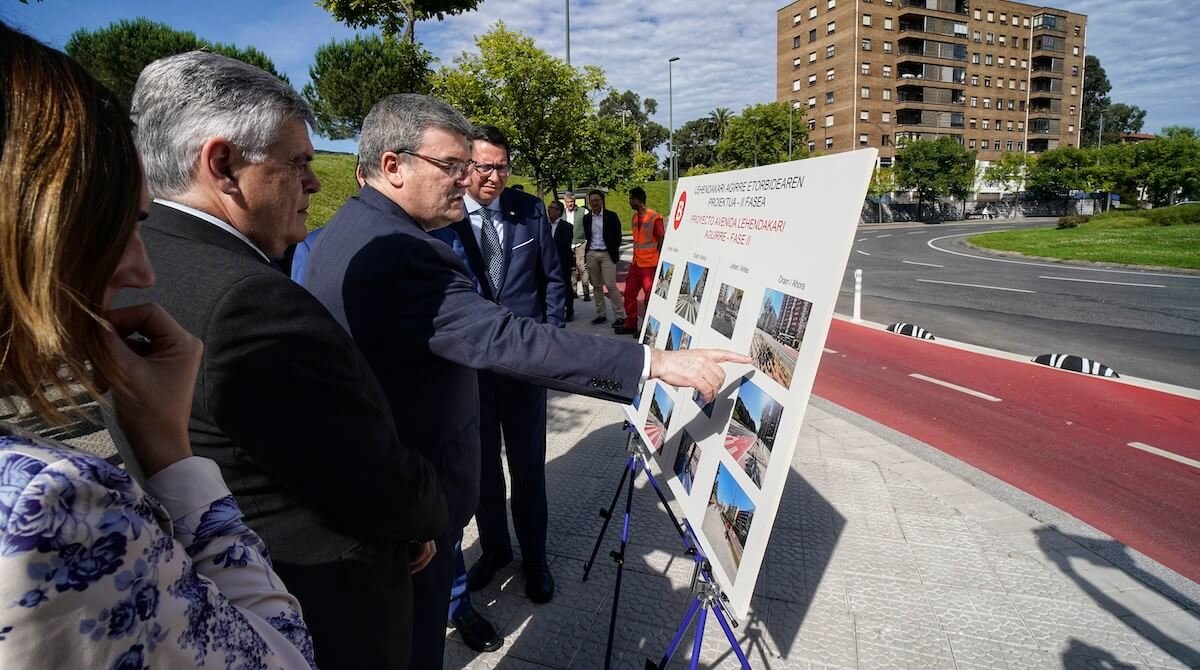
929	118
1045	107
920	74
1038	145
920	96
913	22
949	6
915	48
1042	85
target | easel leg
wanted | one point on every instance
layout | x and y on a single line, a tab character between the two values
699	641
679	633
619	557
630	466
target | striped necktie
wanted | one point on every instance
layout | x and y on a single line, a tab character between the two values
493	255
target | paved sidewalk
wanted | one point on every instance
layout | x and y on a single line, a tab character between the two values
878	559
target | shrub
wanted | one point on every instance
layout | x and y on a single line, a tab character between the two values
1071	220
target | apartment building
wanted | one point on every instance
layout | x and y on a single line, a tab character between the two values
996	76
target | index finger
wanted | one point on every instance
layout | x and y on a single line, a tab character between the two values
726	356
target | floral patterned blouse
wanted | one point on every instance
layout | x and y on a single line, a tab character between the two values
96	573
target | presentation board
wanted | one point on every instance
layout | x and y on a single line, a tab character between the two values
752	262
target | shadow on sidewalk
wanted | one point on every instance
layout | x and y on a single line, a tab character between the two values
1050	542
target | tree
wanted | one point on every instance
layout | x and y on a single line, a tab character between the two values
607	147
1007	171
1059	171
1096	88
540	102
695	144
883	182
1170	166
349	77
720	119
117	54
394	16
934	169
759	136
630	107
1119	119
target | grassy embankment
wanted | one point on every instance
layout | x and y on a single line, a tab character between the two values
336	172
1164	237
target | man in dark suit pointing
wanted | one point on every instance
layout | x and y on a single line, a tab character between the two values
406	299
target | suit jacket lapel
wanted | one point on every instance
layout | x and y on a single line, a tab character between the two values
509	215
466	236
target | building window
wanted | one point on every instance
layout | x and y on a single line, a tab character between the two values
975	36
1024	64
985	124
1003	17
795	104
812	124
1014	20
991	38
812	35
795	19
887	70
828	142
797	62
864	115
812	101
1012	84
865	68
987	60
866	20
975	58
1021	84
996	145
829	120
1074	70
886	93
1008	126
1025	21
812	56
830	51
796	85
829	74
1008	146
991	17
1072	110
830	4
885	117
812	146
974	101
1001	40
1020	145
1010	104
1075	51
987	82
865	92
971	124
987	103
1071	128
866	44
1012	62
796	42
829	97
887	23
977	14
812	79
1076	31
887	47
974	80
830	27
970	144
812	12
862	139
1074	90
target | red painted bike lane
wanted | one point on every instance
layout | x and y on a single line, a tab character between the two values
1058	436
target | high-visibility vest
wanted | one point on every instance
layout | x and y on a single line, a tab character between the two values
645	245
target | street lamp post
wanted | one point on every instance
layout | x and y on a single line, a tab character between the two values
671	131
568	3
791	109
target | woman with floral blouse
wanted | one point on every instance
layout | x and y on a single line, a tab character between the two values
96	572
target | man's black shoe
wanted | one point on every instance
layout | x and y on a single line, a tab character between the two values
539	583
587	298
484	570
599	320
476	632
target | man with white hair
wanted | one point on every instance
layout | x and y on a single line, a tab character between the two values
284	401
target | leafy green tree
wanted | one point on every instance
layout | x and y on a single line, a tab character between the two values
1121	118
1007	171
394	16
696	145
720	120
1096	88
934	169
883	182
1059	171
539	101
608	149
1170	166
350	76
630	107
759	136
645	165
117	54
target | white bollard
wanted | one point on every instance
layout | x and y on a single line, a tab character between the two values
858	295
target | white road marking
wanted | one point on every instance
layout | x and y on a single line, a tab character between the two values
860	251
1100	281
956	387
860	239
828	350
1166	454
1057	266
880	237
928	265
919	232
994	288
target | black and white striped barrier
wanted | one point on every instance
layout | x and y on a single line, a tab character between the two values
911	330
1076	364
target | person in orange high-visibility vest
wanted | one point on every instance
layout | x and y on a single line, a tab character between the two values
648	234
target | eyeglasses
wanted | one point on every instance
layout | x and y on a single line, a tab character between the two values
485	169
454	169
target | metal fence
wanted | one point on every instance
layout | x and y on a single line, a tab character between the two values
874	211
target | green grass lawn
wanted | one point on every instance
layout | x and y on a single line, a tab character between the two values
336	172
1165	237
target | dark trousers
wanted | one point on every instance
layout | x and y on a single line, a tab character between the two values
517	410
431	604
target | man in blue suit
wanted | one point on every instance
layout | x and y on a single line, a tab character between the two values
506	243
405	298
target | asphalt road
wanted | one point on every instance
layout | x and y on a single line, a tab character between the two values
1122	458
1140	323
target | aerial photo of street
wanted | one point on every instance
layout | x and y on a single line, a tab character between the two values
729	301
751	435
727	521
665	273
691	291
778	333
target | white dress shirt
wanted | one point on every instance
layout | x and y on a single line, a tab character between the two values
205	216
597	231
473	208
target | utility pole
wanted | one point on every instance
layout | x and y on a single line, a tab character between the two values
671	132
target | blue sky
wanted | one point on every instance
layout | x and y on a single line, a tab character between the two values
729	492
695	272
675	335
754	398
662	396
726	49
774	298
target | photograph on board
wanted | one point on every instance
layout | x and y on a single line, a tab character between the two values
729	301
778	333
665	272
691	291
727	521
661	406
677	340
752	429
651	334
687	459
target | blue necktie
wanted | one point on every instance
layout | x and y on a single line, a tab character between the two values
493	255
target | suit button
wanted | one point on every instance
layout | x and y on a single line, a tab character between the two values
618	387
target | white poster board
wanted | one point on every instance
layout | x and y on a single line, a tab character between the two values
752	262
